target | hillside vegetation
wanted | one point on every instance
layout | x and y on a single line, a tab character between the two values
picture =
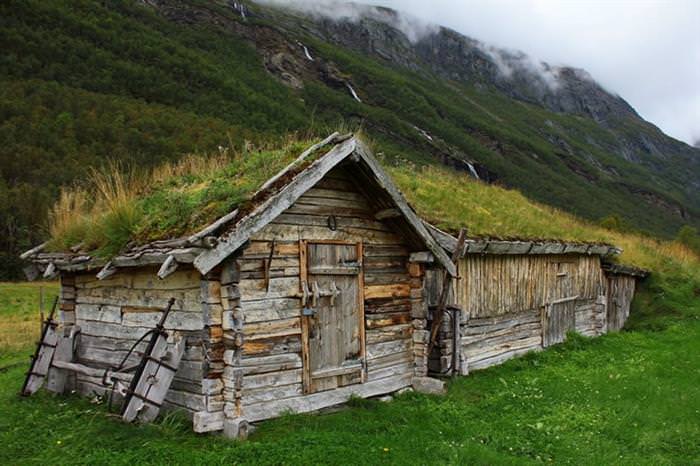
84	84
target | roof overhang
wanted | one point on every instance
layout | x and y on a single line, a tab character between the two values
515	247
623	269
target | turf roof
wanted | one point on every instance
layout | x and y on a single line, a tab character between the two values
172	202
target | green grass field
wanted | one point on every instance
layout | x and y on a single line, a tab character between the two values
626	398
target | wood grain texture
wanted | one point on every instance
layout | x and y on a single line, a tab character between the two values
619	299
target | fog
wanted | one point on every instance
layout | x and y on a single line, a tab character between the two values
647	51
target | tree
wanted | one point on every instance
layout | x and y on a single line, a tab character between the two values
614	222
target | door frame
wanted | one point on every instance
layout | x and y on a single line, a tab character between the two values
303	279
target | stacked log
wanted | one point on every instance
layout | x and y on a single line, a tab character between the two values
115	312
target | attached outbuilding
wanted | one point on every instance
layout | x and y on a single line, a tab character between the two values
517	296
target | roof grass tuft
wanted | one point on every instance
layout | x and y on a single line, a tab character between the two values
117	207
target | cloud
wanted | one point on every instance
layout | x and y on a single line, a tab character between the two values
511	62
414	28
647	51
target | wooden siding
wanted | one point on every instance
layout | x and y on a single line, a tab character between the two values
620	294
494	285
269	284
491	340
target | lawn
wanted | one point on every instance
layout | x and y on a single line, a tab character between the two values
20	315
626	398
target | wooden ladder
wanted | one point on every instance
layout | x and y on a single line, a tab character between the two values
442	300
43	355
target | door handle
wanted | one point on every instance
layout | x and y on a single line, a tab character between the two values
315	294
334	292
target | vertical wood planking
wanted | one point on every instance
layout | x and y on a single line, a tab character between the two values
361	303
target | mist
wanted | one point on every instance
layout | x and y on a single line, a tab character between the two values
413	27
647	51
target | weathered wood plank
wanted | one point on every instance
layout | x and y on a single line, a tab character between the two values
154	382
272	329
398	290
267	410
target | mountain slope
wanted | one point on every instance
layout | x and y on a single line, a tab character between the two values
86	81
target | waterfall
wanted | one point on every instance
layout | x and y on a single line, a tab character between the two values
472	170
306	52
239	7
424	133
352	91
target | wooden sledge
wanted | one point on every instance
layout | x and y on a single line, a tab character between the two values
144	386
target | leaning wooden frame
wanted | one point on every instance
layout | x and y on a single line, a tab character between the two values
317	290
54	363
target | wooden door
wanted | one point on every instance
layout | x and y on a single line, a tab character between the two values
620	295
333	318
564	271
558	319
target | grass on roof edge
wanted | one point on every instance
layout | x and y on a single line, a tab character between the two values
117	206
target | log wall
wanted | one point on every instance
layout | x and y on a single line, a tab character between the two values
115	312
263	375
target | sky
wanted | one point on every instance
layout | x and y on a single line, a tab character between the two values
647	51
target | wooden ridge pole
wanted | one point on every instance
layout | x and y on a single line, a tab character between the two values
446	280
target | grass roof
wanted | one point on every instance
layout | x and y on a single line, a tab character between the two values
118	207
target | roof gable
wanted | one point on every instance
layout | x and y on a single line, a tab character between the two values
358	156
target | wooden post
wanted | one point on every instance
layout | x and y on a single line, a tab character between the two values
41	310
456	343
440	310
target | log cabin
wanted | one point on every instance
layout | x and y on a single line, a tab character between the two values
311	295
316	290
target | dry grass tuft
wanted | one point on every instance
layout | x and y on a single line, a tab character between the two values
118	204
